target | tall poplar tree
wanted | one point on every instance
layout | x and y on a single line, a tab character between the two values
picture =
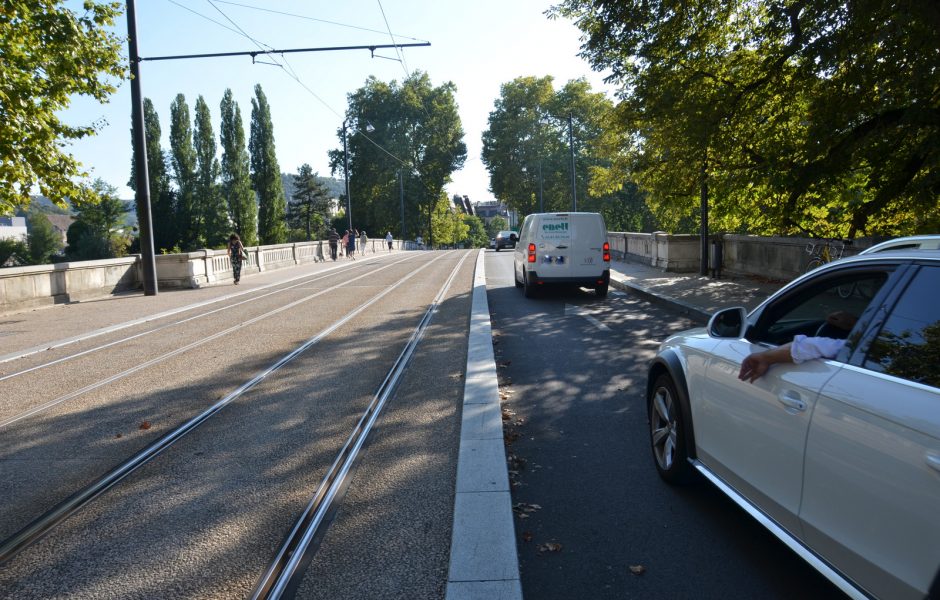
266	174
212	209
236	172
183	159
162	199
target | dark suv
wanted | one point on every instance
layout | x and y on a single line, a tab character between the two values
506	239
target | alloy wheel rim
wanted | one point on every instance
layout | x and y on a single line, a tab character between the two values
663	428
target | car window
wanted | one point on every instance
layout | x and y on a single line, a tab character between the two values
828	308
908	345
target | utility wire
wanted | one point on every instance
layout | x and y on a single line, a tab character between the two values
398	51
288	70
287	14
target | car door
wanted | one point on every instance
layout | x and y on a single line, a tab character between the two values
871	492
753	435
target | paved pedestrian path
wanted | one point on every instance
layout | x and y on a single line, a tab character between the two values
694	295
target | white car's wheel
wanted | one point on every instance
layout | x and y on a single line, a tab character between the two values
667	432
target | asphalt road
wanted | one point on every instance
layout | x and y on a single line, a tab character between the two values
593	519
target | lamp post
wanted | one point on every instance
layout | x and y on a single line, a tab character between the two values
574	187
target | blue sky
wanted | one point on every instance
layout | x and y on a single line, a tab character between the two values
478	45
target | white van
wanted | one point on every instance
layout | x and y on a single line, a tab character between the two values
562	248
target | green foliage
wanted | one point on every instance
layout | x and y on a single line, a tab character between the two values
95	233
50	54
476	234
162	199
526	145
212	207
448	224
266	174
496	225
309	207
236	173
797	118
42	240
183	161
16	252
417	131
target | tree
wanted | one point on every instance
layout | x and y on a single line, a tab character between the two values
183	160
50	55
212	208
162	199
416	129
236	172
94	234
496	225
802	117
448	225
309	206
13	252
266	174
42	240
476	233
526	146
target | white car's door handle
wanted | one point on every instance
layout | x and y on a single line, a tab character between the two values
792	400
933	460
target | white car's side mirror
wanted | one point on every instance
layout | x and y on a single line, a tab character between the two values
728	323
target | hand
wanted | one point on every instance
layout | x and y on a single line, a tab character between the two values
842	320
753	367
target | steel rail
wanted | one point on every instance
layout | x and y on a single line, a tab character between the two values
167	313
43	524
158	359
285	570
307	279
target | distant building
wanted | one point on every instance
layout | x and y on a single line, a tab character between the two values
60	224
490	209
13	228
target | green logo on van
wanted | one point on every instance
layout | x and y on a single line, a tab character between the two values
555	227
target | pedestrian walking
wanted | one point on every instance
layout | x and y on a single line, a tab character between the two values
236	253
351	245
345	243
363	240
389	239
333	238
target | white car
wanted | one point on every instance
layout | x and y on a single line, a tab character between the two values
914	242
840	457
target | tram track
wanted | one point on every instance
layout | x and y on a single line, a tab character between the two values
186	348
283	574
42	525
254	297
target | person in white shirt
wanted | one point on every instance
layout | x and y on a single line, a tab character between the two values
389	239
800	350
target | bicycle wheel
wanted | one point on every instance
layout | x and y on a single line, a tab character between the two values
813	263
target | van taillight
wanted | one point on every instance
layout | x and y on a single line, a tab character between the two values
606	251
531	253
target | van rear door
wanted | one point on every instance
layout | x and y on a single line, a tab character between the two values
554	238
587	245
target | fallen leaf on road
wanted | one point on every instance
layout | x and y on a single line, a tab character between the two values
145	425
120	435
503	365
549	547
526	536
637	569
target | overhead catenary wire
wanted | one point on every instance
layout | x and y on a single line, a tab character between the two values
268	50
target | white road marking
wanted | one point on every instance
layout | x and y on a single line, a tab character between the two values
581	312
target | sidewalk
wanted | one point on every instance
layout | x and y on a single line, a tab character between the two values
695	296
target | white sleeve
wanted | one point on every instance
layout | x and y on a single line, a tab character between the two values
806	348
